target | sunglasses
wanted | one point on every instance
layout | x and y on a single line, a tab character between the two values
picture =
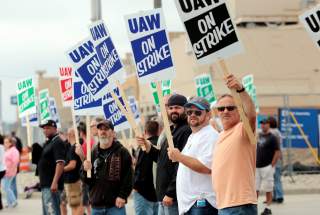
229	108
196	112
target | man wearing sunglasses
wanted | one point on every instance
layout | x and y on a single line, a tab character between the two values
194	190
234	157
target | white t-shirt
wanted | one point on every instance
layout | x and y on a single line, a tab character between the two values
2	164
192	185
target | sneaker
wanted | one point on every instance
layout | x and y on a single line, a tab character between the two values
14	205
266	212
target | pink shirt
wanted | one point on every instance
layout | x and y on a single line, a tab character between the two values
11	160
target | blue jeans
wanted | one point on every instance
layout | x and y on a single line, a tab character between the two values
7	187
50	202
14	186
171	210
249	209
206	210
144	207
277	189
108	211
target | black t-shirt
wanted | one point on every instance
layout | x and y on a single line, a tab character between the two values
73	175
143	175
54	150
267	145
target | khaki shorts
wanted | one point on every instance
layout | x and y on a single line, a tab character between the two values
265	179
74	193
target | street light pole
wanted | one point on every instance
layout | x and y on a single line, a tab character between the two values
95	10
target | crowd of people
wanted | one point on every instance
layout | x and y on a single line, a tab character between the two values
212	168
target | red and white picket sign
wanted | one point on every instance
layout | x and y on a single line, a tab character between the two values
65	82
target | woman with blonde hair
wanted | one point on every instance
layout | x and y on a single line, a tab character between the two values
11	159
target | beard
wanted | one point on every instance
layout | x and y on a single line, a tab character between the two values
103	140
176	117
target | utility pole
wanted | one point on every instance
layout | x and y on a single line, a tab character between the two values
95	10
157	4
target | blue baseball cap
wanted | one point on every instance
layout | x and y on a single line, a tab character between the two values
198	102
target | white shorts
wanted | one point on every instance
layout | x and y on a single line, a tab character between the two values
264	178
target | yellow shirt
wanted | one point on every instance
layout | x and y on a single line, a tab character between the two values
233	168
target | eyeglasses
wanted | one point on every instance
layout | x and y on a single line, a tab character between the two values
229	108
196	112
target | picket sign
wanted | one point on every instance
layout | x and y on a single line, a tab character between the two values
239	105
126	111
29	135
88	144
165	116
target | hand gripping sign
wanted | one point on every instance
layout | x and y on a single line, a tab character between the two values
85	61
65	80
311	21
210	29
150	45
106	52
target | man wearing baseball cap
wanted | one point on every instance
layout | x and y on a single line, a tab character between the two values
112	173
166	169
50	168
194	190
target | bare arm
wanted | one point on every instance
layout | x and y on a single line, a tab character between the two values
192	163
57	175
71	166
248	105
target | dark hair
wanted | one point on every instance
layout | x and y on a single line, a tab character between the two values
273	122
82	128
152	127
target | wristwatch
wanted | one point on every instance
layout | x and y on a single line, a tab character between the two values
241	90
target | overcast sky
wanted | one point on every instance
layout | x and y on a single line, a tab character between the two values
35	34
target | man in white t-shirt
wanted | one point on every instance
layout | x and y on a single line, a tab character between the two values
194	188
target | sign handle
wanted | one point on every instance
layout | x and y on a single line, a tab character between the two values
74	124
29	138
164	115
239	105
126	104
88	140
305	138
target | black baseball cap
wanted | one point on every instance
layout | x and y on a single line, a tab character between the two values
200	102
49	122
177	99
106	123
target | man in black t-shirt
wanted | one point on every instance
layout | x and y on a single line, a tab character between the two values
50	168
268	153
72	181
144	195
